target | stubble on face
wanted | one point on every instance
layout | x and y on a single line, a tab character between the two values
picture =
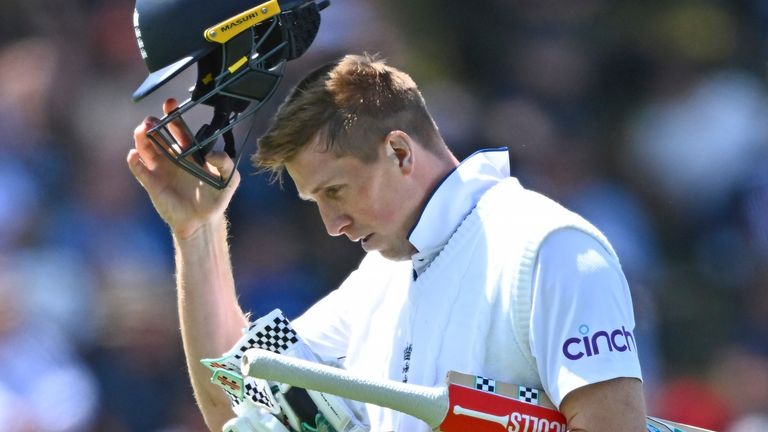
374	197
400	249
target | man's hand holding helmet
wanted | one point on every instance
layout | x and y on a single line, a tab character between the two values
182	200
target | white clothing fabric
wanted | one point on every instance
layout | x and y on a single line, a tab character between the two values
580	292
453	200
504	285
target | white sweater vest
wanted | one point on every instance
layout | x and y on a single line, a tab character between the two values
477	293
470	310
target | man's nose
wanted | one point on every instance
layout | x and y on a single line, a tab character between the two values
336	222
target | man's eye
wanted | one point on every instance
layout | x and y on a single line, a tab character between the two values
332	192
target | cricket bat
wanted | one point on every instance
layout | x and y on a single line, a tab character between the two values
466	404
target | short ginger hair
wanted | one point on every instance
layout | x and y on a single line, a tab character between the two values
352	104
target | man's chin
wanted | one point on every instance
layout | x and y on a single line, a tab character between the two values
394	256
399	251
397	254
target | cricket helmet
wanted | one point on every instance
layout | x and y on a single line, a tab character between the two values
240	48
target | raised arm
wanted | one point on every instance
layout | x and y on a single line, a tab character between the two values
210	316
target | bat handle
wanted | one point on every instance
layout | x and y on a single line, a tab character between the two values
429	404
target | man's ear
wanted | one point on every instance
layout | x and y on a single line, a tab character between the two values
399	149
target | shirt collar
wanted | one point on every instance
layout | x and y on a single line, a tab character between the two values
452	201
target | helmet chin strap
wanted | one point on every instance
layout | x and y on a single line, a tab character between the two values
222	116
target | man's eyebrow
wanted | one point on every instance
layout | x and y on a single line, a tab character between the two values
323	184
314	191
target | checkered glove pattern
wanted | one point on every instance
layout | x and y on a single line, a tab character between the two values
272	332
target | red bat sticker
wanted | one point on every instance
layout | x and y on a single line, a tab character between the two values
477	411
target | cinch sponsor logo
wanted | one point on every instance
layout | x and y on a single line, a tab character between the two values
591	344
228	26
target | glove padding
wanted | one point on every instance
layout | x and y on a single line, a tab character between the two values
255	419
302	410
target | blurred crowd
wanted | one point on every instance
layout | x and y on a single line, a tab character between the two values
649	118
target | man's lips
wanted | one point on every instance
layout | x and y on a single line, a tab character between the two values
366	238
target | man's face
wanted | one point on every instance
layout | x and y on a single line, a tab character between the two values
373	203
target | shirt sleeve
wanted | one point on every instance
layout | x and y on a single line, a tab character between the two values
326	326
582	320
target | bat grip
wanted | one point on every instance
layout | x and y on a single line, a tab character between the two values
429	404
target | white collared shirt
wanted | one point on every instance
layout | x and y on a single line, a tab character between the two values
452	201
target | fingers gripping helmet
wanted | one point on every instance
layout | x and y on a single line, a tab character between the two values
240	48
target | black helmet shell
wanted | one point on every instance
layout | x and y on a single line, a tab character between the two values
170	35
